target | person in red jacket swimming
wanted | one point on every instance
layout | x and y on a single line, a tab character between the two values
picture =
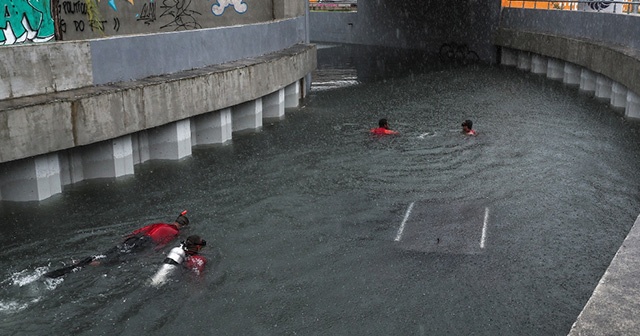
158	234
467	127
383	128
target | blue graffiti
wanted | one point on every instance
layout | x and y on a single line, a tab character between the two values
25	21
218	9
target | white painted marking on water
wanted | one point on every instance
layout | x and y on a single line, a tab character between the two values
404	221
484	228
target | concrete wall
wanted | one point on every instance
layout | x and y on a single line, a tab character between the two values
59	121
408	24
613	29
25	21
51	67
93	19
590	40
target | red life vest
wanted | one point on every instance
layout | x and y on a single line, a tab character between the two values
160	233
195	263
382	131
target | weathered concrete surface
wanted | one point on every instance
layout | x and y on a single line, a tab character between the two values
33	69
613	308
43	68
423	25
41	124
618	63
147	17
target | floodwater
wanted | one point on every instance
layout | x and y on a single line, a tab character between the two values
314	227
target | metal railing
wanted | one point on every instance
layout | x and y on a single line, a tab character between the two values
616	6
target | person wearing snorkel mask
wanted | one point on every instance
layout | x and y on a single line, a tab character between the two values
157	234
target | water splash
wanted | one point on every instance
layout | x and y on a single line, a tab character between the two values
27	287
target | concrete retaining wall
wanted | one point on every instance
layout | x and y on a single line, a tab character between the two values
620	64
25	21
584	43
51	67
424	25
58	121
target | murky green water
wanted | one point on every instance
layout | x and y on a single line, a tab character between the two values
301	217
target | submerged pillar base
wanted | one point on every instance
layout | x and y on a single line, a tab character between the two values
32	179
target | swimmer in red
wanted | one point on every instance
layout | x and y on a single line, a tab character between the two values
195	262
383	128
187	255
161	233
467	128
158	235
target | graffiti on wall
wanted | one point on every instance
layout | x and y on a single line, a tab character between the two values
238	5
25	21
181	17
88	17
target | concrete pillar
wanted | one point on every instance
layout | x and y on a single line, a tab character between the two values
273	105
555	69
603	87
587	80
211	128
111	158
571	74
171	141
71	170
524	60
618	95
247	115
632	110
31	179
292	95
509	57
538	64
140	144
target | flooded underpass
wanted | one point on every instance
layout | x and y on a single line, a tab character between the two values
315	227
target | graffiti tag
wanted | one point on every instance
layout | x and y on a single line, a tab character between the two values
148	13
238	5
183	17
25	21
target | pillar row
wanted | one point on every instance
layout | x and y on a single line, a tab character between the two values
247	115
538	64
211	128
171	141
571	74
587	80
509	57
555	69
273	105
292	95
30	179
524	60
633	106
603	87
618	95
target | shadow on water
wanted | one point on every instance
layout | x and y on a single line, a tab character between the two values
506	233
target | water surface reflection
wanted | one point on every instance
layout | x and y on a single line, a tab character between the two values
301	217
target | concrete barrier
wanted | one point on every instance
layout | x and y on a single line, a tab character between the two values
104	131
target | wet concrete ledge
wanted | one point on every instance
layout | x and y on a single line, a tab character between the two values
619	63
614	305
46	123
